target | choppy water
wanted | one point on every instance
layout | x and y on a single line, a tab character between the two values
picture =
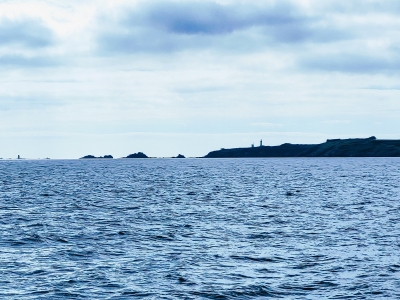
200	229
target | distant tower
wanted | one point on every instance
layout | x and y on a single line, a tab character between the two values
261	143
19	157
252	145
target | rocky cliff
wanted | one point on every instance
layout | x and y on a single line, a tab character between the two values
370	147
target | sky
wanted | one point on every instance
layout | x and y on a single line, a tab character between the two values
168	77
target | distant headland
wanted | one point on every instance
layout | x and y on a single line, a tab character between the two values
369	147
355	147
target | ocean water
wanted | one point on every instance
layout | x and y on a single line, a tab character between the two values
291	228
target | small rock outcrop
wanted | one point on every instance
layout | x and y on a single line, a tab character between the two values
179	156
92	156
137	155
88	156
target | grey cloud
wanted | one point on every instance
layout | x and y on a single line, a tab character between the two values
27	33
27	62
310	33
351	63
138	41
213	18
358	7
171	26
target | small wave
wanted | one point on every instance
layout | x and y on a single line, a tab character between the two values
36	272
252	291
257	259
163	237
394	268
259	236
34	238
17	243
136	294
35	225
306	265
40	292
61	240
80	253
309	287
68	295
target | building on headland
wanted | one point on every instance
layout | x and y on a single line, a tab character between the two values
252	145
19	157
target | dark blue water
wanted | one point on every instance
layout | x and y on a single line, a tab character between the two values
200	229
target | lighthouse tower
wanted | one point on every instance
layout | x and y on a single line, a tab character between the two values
261	143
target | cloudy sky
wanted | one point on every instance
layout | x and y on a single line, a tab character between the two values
168	77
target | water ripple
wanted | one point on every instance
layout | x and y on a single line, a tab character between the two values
321	228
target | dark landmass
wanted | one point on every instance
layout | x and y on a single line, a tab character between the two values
179	156
92	156
137	155
370	147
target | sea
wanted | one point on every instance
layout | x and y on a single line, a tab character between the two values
251	228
